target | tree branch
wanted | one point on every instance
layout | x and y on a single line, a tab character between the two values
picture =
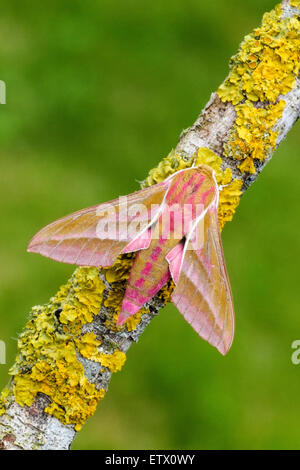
71	346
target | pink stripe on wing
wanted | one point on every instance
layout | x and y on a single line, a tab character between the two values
140	282
129	307
147	269
178	197
206	194
155	253
191	200
174	186
160	284
133	294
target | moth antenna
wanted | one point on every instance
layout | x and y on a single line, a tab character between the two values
194	162
221	186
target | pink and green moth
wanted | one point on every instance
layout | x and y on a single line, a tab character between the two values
173	229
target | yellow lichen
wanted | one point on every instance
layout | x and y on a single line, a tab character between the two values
88	346
47	361
133	321
264	69
205	156
169	165
247	166
117	275
120	270
4	400
252	137
114	362
166	292
295	3
73	398
267	63
228	201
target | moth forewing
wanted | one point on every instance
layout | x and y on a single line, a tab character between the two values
173	228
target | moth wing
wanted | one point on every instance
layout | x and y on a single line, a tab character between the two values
96	236
203	294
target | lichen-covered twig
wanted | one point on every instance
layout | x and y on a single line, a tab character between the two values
71	346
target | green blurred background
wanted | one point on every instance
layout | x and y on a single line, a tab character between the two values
97	93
